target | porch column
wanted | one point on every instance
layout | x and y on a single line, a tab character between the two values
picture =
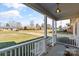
74	31
75	24
77	32
53	32
45	26
72	23
45	35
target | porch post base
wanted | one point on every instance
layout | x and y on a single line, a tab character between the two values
53	44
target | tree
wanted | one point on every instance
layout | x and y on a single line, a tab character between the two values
32	24
42	26
18	25
38	26
7	26
12	24
0	24
49	26
60	28
25	27
15	25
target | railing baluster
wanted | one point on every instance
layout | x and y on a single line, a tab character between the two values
25	49
15	52
39	46
10	52
22	50
35	48
73	43
42	46
32	49
5	53
19	51
28	50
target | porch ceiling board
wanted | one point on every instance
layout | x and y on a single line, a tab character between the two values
68	10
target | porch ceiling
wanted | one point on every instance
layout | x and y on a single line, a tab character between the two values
68	10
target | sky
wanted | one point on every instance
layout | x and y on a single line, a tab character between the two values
63	23
21	13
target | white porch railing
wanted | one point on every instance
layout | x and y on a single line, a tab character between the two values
66	41
49	41
31	48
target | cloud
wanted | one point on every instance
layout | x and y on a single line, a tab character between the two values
30	15
9	14
14	5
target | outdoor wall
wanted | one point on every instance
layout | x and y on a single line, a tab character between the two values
73	23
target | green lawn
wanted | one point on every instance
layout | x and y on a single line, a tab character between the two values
15	36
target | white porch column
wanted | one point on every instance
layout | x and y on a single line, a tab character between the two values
75	23
45	26
77	34
45	34
53	32
74	31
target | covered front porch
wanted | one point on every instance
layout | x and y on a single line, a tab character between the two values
49	46
65	12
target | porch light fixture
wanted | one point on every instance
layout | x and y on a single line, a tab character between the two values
58	9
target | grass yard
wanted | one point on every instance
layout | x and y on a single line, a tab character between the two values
15	36
10	38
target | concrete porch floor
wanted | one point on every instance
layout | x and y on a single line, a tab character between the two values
57	50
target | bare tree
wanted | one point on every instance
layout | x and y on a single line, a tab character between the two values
18	25
0	24
32	24
38	27
15	25
42	26
7	26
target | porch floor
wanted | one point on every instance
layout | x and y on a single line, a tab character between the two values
57	50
